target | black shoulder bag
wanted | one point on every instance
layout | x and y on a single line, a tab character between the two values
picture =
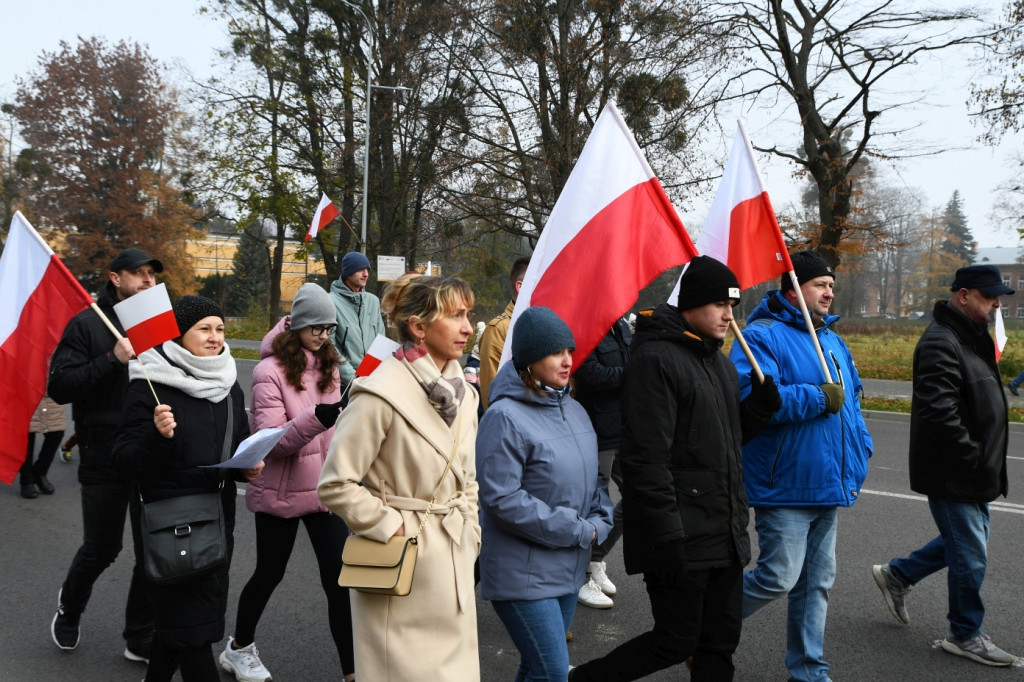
184	537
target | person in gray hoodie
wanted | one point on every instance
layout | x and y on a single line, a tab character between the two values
542	503
359	319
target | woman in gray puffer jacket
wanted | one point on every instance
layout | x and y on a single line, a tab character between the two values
542	501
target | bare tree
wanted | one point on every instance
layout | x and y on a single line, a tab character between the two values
832	60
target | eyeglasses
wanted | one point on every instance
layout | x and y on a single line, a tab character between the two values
319	329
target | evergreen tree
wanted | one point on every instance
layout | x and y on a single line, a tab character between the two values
252	273
959	241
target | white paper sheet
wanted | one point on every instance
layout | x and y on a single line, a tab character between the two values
253	449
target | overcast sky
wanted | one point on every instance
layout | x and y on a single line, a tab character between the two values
177	35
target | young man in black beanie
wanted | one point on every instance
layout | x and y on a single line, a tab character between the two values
809	461
359	318
684	508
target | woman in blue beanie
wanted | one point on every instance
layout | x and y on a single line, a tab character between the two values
542	502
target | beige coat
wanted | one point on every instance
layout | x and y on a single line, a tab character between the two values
49	416
393	441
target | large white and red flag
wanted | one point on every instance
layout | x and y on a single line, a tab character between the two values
741	229
40	298
326	211
148	318
611	232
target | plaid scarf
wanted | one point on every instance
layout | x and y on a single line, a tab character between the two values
445	393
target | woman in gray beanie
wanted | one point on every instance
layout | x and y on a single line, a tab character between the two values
295	386
542	502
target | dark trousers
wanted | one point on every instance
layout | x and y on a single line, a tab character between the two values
104	506
608	465
197	664
30	472
698	614
275	538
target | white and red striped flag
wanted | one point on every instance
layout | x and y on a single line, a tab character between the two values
148	318
40	298
611	232
326	211
378	351
741	229
1000	334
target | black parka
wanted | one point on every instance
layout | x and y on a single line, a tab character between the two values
958	416
192	613
599	383
680	449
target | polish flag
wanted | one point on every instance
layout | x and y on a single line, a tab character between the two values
326	211
378	351
40	298
1000	334
741	229
148	318
611	232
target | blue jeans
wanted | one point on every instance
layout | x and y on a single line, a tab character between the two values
538	630
962	546
798	558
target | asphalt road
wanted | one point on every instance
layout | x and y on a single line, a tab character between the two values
863	641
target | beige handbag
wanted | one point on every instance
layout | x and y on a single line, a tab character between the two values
387	567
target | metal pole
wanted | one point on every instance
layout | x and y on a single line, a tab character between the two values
366	155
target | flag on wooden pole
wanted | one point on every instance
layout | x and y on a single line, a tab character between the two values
148	318
326	211
40	298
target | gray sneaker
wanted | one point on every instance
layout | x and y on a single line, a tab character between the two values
978	648
893	590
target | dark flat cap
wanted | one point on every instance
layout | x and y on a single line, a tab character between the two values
982	277
131	259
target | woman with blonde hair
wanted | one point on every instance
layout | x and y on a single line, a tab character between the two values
390	452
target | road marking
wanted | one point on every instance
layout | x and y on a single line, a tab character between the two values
995	506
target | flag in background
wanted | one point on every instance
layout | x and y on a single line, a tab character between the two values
611	232
148	318
40	298
741	229
326	211
1000	333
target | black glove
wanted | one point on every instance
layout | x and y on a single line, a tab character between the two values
835	396
667	563
327	413
758	408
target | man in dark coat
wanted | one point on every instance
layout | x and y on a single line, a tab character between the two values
684	507
90	370
958	439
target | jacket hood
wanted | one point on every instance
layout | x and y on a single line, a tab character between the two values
774	306
339	287
266	345
507	384
107	296
666	324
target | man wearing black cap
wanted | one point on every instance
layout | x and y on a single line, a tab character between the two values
958	439
809	461
90	370
684	509
359	319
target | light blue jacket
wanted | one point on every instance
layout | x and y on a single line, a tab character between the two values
359	323
541	497
805	456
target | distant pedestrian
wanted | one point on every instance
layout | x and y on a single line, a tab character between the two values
958	440
49	421
358	314
543	504
492	340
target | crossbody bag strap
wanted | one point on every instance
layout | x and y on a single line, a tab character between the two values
447	468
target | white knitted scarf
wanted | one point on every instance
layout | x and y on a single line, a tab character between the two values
209	378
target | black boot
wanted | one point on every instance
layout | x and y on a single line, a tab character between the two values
44	485
28	487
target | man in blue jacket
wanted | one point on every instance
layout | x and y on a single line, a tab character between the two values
809	461
958	439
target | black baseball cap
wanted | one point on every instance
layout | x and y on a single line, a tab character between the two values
132	259
982	277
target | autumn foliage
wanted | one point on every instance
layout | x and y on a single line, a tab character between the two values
102	124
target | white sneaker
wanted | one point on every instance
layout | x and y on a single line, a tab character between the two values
598	571
244	663
592	596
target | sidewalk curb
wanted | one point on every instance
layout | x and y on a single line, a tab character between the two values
880	415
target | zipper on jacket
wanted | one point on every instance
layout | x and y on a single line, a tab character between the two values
842	431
